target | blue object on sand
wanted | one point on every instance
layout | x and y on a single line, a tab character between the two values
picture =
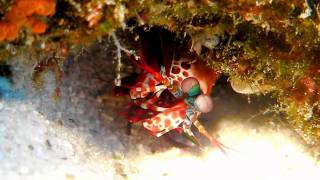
7	92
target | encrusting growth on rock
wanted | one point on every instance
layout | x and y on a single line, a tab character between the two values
26	14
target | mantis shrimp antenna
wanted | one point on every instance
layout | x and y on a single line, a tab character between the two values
213	140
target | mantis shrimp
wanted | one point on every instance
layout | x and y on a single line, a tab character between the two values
171	93
189	81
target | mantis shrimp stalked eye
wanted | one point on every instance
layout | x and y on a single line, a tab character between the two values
191	86
201	102
204	103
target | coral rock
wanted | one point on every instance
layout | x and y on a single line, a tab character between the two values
24	13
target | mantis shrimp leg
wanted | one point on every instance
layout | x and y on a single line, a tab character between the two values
142	89
151	103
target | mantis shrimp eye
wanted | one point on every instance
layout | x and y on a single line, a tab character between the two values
204	103
191	86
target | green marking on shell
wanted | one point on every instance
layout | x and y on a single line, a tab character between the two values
190	100
194	91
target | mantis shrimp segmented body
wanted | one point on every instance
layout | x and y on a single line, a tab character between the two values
189	81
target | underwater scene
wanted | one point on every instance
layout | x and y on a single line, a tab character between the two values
159	89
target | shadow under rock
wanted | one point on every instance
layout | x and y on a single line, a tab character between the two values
88	76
